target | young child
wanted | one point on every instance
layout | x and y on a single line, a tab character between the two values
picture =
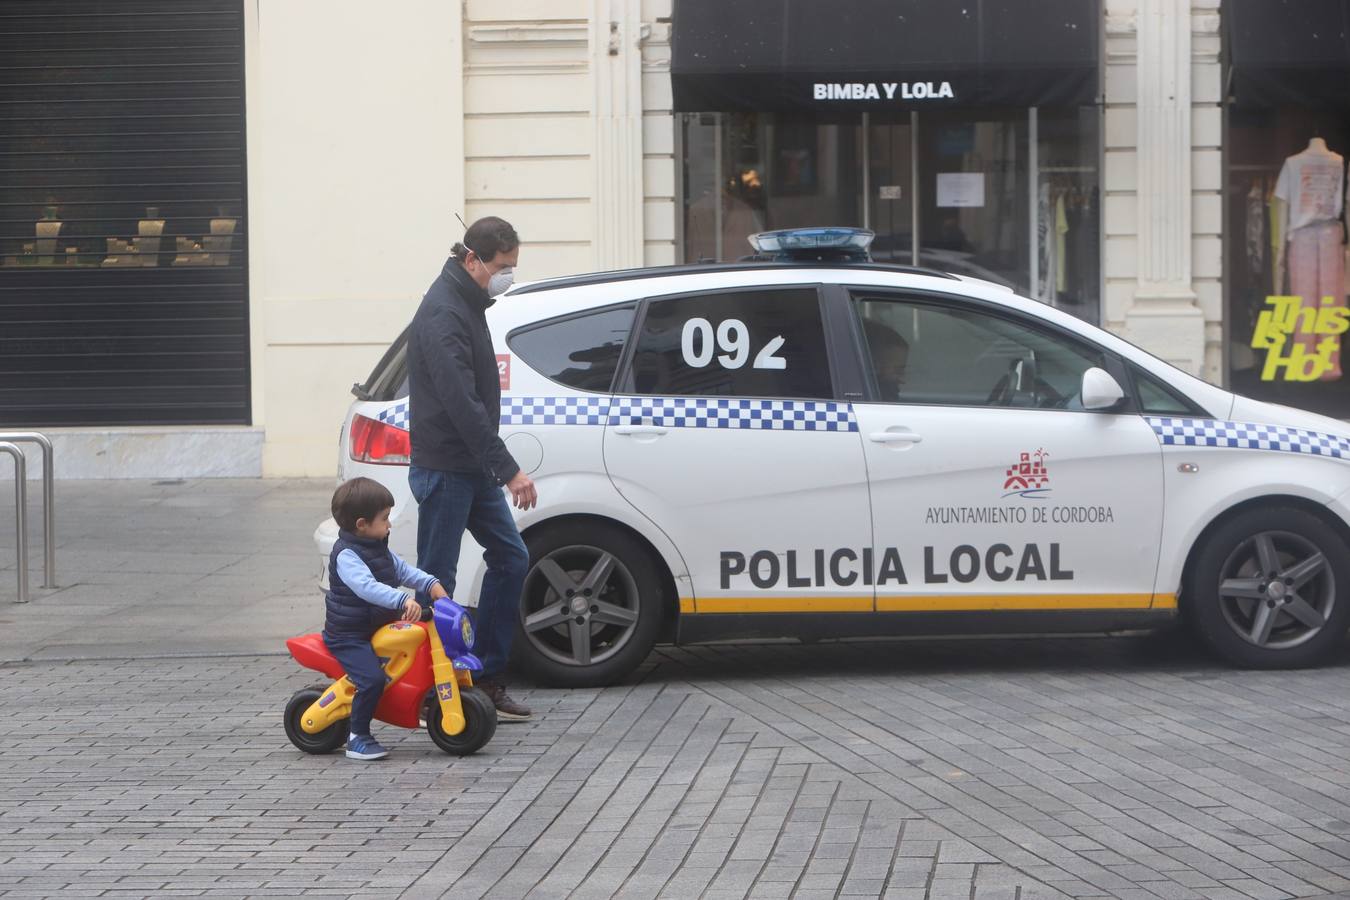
364	577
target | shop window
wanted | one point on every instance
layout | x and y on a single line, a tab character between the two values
1286	257
1010	196
920	353
579	351
763	343
751	172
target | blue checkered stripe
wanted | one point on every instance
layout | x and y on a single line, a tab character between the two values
681	412
1247	436
554	410
396	415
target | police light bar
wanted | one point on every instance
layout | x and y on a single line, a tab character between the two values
813	243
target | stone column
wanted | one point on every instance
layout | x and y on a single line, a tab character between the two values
616	121
1164	317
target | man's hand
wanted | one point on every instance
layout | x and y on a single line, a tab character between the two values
437	592
522	491
412	610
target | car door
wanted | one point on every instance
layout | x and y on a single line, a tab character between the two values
730	439
991	487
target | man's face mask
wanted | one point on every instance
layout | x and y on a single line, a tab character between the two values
501	281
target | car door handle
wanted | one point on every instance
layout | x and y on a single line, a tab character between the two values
895	437
639	429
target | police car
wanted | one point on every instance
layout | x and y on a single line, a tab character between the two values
809	444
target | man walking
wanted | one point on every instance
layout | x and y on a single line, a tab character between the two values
459	462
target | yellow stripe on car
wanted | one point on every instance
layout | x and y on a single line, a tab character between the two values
927	603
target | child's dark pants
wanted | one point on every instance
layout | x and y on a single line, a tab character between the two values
363	668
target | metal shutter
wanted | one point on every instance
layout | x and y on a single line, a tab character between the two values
123	257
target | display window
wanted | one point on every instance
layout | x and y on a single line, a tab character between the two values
1286	262
1011	196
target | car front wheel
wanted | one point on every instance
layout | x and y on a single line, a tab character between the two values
591	607
1271	589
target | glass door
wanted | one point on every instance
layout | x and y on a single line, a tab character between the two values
973	195
890	187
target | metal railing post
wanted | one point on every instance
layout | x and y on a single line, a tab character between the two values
20	514
48	499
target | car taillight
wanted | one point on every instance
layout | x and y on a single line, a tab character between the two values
379	443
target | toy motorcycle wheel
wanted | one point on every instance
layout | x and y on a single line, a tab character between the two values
480	722
325	741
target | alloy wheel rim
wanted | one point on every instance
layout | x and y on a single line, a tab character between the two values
580	605
1277	590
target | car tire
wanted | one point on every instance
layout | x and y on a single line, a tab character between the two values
587	640
1292	620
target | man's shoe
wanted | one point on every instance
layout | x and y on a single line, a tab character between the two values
364	747
508	710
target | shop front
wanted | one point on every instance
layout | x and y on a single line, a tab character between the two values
1287	133
123	272
967	136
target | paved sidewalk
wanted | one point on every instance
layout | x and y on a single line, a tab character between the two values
176	567
981	770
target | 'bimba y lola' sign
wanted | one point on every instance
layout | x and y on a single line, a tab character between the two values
877	90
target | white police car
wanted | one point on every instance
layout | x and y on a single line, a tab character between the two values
820	446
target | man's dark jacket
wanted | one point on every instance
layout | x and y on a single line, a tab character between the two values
454	401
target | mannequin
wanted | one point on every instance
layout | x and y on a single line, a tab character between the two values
1312	188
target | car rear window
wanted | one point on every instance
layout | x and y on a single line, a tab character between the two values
389	379
579	351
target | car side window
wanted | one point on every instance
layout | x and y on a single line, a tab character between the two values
759	343
1157	400
955	356
581	352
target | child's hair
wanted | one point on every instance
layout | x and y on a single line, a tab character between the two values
360	498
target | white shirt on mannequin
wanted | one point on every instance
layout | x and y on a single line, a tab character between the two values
1312	186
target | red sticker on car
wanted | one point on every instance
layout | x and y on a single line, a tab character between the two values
504	370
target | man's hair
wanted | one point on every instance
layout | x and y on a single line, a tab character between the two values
360	498
486	238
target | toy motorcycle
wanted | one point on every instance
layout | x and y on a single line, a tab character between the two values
429	672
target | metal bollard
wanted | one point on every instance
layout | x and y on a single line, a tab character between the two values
48	499
20	514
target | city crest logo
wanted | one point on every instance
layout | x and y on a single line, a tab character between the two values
1028	477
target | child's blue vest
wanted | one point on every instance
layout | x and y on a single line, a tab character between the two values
349	615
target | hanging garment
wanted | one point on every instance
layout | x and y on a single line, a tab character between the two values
1278	266
1061	229
1317	274
1256	230
1045	245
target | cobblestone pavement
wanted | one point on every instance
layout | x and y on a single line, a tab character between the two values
1127	768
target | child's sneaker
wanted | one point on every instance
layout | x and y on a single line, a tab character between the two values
363	746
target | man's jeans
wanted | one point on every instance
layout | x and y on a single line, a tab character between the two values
449	502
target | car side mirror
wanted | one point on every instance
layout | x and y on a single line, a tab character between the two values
1099	390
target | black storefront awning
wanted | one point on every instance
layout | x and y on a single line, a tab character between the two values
1288	52
821	55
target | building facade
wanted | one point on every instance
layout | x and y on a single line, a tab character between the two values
283	212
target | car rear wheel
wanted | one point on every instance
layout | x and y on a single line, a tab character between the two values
1269	589
591	606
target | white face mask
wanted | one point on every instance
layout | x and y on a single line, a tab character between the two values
500	282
